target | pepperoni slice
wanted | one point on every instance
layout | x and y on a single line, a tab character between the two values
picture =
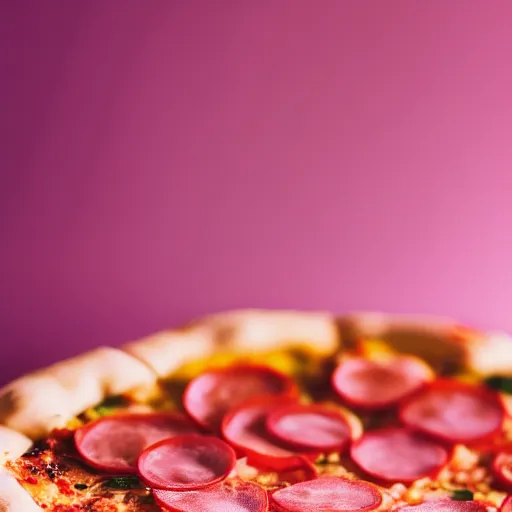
502	469
245	429
398	454
310	428
454	411
186	462
446	505
334	494
114	443
372	384
210	396
233	496
506	506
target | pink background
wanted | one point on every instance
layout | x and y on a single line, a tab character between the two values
163	159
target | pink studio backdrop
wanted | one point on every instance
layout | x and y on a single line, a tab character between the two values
164	159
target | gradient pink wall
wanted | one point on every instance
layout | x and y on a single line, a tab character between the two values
165	159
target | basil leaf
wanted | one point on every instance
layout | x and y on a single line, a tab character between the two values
499	383
462	495
80	487
123	482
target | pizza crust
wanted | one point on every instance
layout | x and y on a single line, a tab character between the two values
439	340
49	398
13	498
492	356
166	351
244	331
12	444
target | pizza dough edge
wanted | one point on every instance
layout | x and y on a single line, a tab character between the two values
13	498
48	398
13	444
239	331
438	339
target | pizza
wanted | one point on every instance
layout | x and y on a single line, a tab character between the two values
268	411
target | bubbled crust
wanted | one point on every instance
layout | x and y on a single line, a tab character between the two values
441	341
244	331
38	402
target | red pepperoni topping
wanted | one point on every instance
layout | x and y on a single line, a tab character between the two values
454	411
114	443
446	505
226	497
334	494
398	454
210	396
371	384
502	469
506	506
186	462
310	428
245	429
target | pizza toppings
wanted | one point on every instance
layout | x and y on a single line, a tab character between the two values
186	462
398	454
446	505
211	395
235	496
245	429
506	506
335	494
375	384
162	458
310	428
113	443
502	469
462	495
454	411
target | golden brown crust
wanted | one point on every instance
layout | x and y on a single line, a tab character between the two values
13	498
430	337
166	351
244	331
439	340
47	399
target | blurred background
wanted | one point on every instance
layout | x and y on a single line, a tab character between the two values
165	159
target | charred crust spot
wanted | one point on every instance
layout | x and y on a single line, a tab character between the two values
53	470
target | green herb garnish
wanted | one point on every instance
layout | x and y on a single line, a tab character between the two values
123	482
499	383
80	487
462	495
110	404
